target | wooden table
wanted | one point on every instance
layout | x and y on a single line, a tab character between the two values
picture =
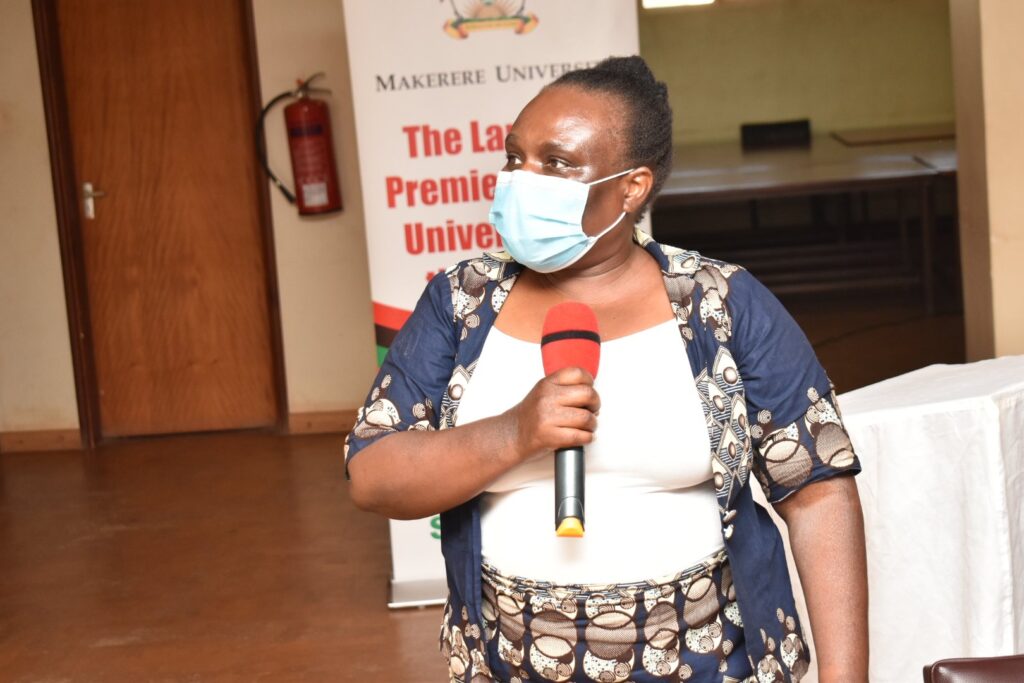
712	173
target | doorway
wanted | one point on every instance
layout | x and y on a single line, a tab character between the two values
164	218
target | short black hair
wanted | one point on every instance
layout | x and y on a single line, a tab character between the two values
646	100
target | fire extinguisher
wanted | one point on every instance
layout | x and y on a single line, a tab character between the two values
308	124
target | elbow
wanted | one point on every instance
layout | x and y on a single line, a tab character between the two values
362	494
358	495
369	498
831	502
361	491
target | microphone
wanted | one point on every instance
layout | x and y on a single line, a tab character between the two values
570	339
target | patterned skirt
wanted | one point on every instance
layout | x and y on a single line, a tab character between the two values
685	627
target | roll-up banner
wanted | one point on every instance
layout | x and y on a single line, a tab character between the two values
436	85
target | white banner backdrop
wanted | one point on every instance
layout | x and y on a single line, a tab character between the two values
436	86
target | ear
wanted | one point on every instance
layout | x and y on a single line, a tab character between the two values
638	186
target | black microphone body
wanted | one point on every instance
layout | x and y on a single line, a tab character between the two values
570	473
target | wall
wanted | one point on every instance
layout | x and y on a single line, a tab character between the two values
989	102
322	273
37	386
842	64
321	262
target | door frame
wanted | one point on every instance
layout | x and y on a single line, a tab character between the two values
69	228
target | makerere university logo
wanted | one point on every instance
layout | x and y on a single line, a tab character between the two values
480	15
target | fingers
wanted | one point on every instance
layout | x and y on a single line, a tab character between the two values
578	396
559	412
577	419
571	375
570	438
570	427
577	388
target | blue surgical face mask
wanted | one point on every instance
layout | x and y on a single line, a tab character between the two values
540	218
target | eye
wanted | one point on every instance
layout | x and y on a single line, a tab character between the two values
558	164
512	160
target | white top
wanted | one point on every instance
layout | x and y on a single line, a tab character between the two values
650	501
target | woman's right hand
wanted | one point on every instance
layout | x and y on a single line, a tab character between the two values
413	473
559	412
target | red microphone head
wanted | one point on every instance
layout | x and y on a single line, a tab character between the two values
570	338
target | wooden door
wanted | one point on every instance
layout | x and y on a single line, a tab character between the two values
161	115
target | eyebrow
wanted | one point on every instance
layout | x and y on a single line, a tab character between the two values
548	147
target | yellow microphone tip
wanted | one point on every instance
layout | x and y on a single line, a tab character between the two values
570	526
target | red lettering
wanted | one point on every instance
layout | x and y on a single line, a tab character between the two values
489	181
435	238
410	136
394	188
451	236
484	235
428	191
465	236
432	142
414	238
452	141
474	136
491	140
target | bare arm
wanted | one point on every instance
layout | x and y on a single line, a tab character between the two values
413	474
826	532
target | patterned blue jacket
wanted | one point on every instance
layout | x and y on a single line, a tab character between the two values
769	407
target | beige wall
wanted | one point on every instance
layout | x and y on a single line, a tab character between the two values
327	320
990	109
841	63
37	387
324	286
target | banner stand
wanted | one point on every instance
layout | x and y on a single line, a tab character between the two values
436	87
417	567
423	593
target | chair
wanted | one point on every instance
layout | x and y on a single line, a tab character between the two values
976	670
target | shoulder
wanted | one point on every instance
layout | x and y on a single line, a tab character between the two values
476	289
476	272
715	277
678	261
726	298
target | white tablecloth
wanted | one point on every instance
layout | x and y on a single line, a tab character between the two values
943	494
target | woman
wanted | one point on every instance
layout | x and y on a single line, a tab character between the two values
704	378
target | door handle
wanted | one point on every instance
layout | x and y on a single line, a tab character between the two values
88	195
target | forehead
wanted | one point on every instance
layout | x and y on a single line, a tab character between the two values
567	114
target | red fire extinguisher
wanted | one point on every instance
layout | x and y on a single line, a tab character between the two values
308	124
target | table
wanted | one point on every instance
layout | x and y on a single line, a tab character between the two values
722	172
943	161
943	492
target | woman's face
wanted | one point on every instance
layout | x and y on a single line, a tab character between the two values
576	134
